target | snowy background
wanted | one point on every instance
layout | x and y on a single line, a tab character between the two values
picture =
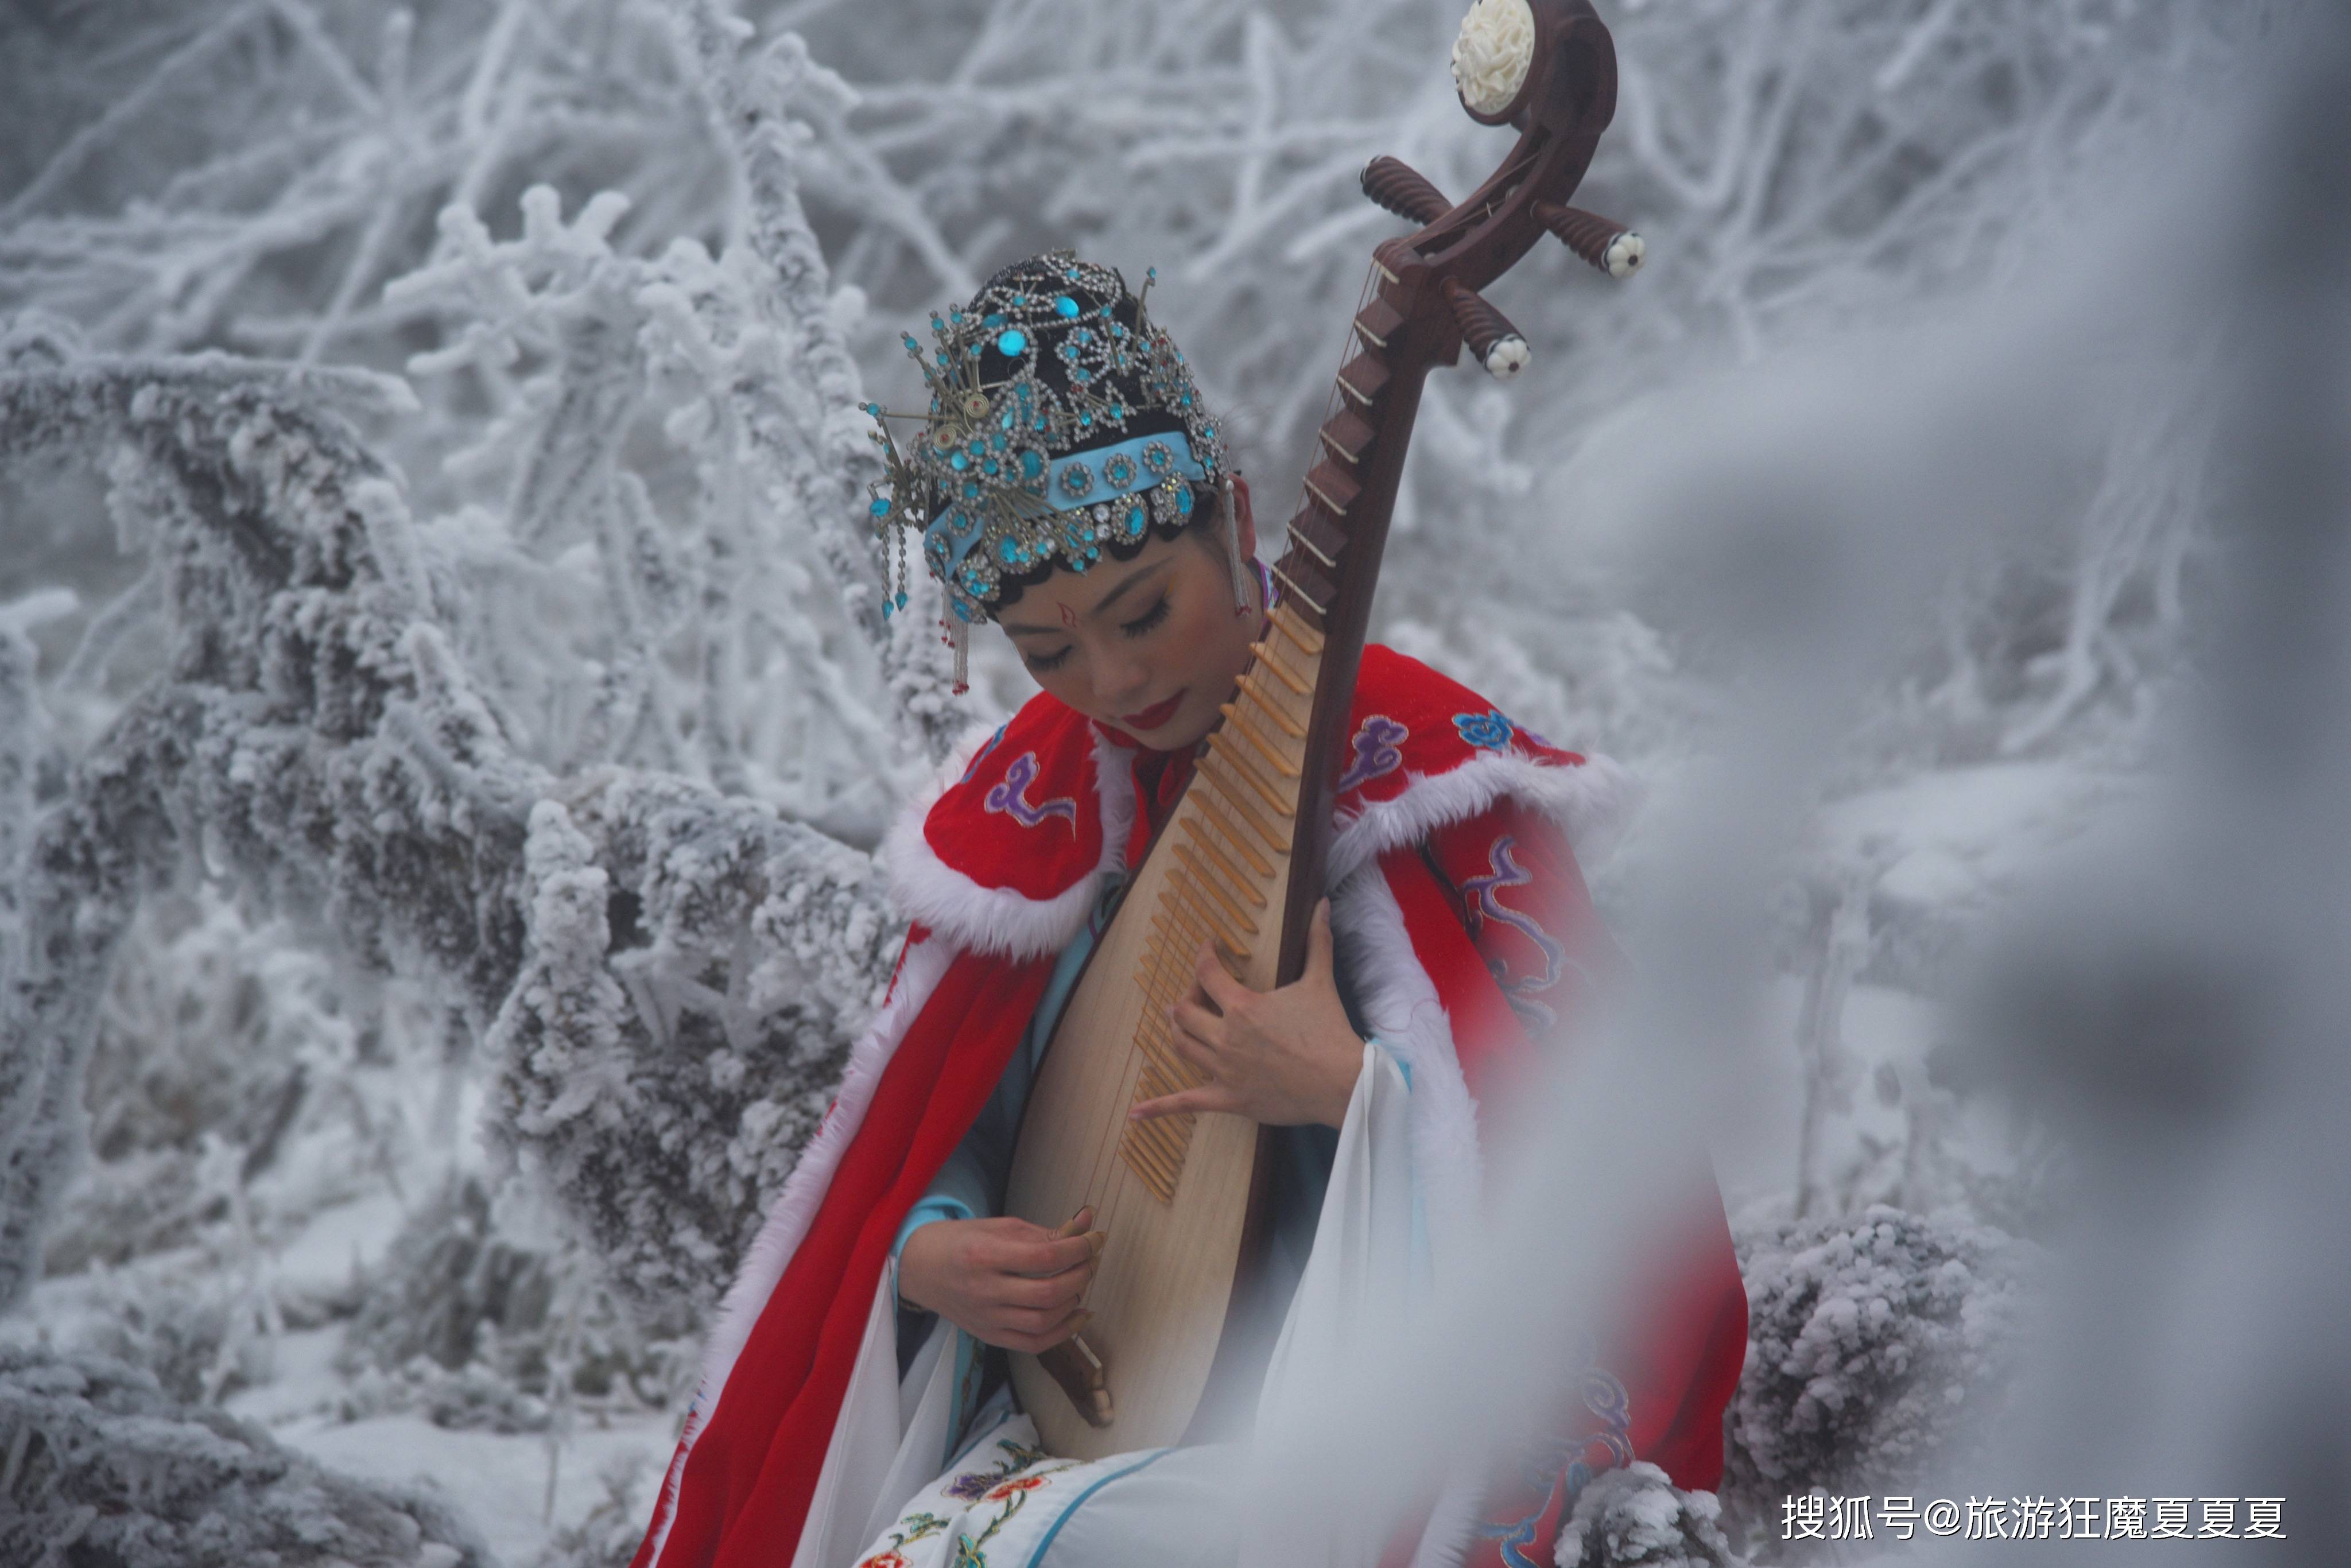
440	758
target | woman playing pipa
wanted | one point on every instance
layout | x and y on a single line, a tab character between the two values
1215	949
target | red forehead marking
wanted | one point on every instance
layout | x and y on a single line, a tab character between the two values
1068	617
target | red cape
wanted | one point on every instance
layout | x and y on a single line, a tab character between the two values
1475	903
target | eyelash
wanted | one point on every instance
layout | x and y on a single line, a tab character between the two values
1141	626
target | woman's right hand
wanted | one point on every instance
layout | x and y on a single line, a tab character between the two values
1004	1281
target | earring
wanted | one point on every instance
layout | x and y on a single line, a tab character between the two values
1233	552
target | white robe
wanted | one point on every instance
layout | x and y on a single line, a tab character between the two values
883	1499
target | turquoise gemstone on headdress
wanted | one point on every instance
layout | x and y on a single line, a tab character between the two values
1183	501
1010	551
1066	307
958	462
993	319
1012	342
1032	464
902	599
879	509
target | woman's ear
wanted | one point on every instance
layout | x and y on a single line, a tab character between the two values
1244	520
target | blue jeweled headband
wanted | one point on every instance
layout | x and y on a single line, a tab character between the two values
1111	493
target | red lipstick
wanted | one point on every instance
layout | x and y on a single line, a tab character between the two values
1155	716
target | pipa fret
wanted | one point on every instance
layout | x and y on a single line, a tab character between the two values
1232	838
1203	835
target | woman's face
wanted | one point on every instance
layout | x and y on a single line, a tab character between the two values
1151	647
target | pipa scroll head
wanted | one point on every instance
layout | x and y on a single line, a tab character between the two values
1493	59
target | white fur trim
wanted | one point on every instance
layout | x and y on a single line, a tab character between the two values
1399	1003
1591	802
924	965
998	920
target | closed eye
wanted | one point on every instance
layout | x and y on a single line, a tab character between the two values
1143	623
1042	662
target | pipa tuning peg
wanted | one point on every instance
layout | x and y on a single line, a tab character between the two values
1499	347
1401	190
1604	242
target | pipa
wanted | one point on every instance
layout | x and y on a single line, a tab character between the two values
1238	863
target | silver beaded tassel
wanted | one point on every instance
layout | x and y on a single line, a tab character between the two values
1233	550
959	639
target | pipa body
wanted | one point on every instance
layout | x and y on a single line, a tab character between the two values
1173	1195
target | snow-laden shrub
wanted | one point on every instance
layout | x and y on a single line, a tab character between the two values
447	1283
211	1030
1634	1517
478	1321
696	971
99	1465
609	1534
1878	1346
200	1333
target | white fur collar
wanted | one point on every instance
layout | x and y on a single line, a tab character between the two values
1590	802
998	919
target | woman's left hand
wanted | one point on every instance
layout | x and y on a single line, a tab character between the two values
1280	1056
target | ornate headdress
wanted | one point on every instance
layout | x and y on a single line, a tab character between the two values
1063	423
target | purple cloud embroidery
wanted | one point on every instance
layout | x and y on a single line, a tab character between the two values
1483	890
1010	796
1375	751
